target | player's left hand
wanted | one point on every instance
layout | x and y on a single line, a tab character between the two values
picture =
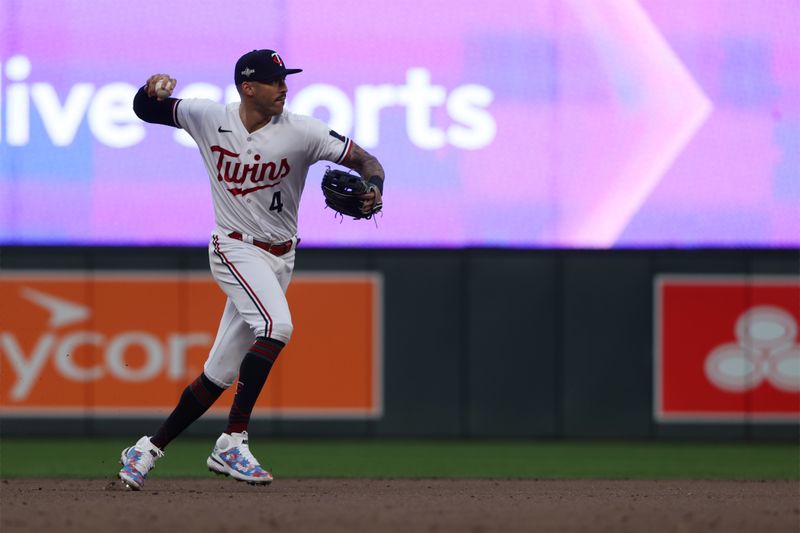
370	199
350	194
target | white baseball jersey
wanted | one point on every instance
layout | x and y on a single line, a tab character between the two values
257	178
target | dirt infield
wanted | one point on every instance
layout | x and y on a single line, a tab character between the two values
352	505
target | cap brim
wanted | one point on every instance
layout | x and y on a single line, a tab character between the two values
285	73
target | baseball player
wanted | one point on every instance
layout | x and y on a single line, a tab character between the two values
257	155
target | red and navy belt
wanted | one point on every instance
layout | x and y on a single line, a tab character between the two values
275	249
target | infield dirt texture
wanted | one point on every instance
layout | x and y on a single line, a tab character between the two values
52	485
356	505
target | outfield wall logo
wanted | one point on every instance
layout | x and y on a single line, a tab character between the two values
765	350
727	349
103	343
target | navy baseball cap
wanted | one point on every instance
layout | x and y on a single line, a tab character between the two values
261	65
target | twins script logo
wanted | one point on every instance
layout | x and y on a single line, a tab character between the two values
261	175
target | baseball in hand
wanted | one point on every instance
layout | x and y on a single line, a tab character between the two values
162	89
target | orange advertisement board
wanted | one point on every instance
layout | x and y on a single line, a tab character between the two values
127	344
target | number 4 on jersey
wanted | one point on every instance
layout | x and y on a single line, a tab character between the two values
276	204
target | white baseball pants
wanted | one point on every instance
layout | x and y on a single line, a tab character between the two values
255	282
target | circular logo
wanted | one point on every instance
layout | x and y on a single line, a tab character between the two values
765	350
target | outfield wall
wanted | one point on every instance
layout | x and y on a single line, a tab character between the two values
506	344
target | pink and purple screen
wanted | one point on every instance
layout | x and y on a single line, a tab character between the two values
538	123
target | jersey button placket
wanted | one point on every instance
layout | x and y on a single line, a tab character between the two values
249	139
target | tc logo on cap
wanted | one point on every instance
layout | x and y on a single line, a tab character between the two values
277	59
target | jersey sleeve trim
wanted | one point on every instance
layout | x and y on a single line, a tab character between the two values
345	151
175	113
155	111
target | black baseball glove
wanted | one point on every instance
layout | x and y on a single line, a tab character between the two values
343	194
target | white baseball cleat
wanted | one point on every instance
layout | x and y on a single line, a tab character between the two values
231	457
137	461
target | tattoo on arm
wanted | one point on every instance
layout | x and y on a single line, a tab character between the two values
361	161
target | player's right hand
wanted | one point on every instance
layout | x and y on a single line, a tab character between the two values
167	86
